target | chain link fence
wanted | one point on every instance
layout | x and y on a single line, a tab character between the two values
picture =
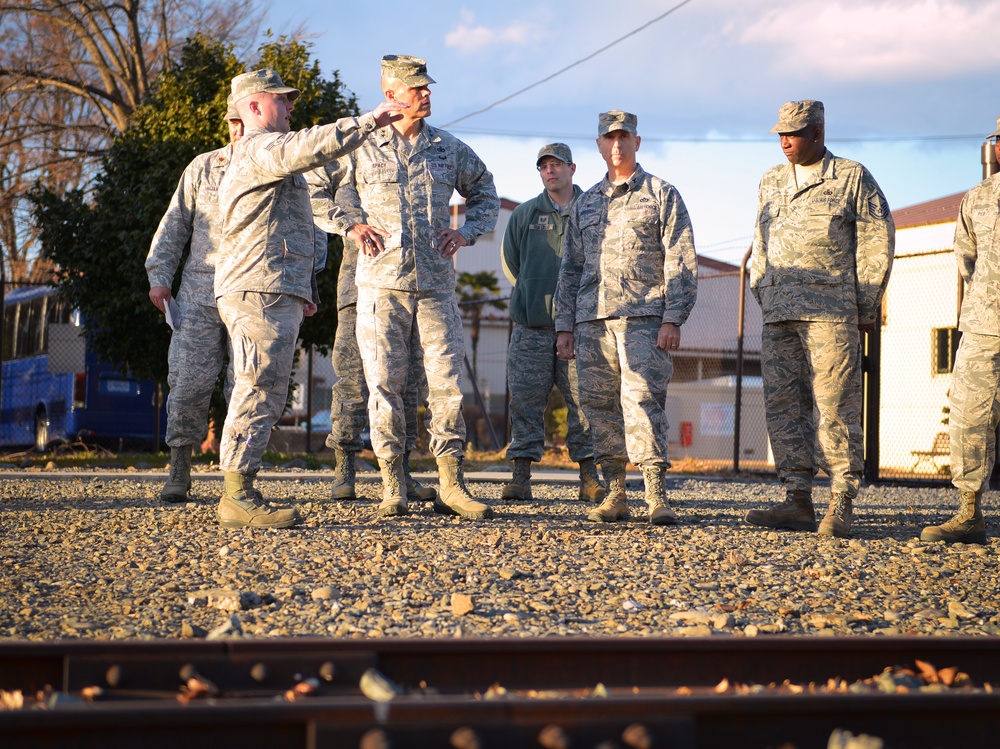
715	400
918	345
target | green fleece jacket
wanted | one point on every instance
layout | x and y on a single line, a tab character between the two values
532	251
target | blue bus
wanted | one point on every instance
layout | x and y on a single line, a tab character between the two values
54	389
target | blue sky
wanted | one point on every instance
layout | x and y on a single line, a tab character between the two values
706	82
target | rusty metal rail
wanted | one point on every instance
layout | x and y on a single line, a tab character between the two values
542	695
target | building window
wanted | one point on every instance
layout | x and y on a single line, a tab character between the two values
945	343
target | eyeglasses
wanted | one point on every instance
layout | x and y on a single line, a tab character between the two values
552	164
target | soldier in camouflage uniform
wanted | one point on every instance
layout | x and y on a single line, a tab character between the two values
628	281
531	253
349	401
198	343
974	406
822	252
264	275
394	204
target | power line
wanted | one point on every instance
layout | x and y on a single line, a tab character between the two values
571	65
723	139
727	243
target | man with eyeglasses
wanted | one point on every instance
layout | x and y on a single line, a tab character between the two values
531	253
822	252
974	407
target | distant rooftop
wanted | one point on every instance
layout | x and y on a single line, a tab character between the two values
718	266
937	211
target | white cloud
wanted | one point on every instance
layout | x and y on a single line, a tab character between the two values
891	40
468	37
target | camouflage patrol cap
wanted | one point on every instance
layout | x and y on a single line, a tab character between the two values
796	115
616	119
557	151
256	81
995	133
410	70
232	113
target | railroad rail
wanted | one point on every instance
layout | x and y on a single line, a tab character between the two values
475	694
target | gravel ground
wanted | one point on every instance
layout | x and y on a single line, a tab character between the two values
99	556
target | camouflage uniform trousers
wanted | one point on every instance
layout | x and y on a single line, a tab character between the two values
393	327
197	353
349	404
532	370
263	329
803	363
623	388
975	411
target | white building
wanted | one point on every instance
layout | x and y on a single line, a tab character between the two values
919	339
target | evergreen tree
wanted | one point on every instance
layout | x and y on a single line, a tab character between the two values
475	291
100	246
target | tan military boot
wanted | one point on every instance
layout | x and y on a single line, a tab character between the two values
660	512
344	475
615	504
393	487
837	521
415	491
967	527
453	498
520	482
591	488
238	506
796	513
179	479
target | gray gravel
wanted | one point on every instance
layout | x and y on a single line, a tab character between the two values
99	556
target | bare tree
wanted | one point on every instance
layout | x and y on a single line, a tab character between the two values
71	74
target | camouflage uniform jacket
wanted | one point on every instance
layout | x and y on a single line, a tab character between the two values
629	253
404	191
822	250
193	214
531	252
323	184
270	243
977	250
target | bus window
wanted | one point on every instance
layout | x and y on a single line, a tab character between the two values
59	311
30	328
53	388
9	330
